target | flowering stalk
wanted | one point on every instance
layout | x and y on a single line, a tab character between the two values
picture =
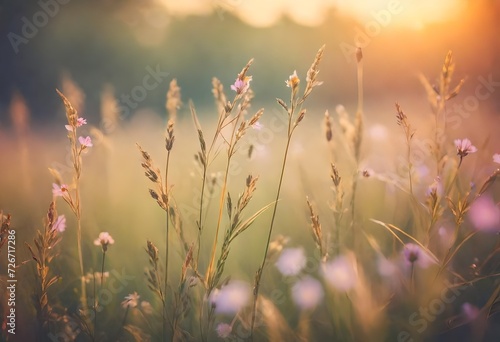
295	102
169	142
60	190
459	211
358	135
103	240
43	255
437	97
241	87
225	108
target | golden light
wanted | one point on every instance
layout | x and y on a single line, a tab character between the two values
263	13
409	13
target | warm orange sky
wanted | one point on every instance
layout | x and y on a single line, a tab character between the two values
312	12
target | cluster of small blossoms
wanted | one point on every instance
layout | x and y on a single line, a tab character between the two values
132	301
62	190
104	240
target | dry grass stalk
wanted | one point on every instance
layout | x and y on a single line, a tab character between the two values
110	115
338	205
43	255
241	101
316	231
4	228
237	225
402	121
437	96
73	92
173	102
182	298
74	202
291	109
328	127
161	195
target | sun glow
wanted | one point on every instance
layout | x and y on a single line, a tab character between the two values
416	14
261	13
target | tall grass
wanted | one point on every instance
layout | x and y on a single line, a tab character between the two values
359	259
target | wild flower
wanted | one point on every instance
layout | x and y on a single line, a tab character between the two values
464	148
85	141
291	261
131	301
307	293
436	188
257	126
60	224
146	307
293	80
484	214
295	114
59	190
367	173
223	330
414	255
231	298
97	276
469	311
496	158
241	86
79	123
445	236
340	273
386	267
104	240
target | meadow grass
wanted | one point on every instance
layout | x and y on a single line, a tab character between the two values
269	224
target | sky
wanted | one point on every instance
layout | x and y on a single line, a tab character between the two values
102	44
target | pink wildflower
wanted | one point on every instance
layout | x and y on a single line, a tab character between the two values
307	293
60	224
131	301
414	254
291	261
464	147
485	214
223	330
241	86
85	142
231	298
104	240
496	158
341	273
469	311
80	122
59	190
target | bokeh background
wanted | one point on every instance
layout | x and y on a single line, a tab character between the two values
99	50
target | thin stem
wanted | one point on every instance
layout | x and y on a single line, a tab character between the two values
94	307
200	225
80	255
257	285
230	153
166	242
412	278
408	143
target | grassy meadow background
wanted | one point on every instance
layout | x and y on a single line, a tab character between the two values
96	52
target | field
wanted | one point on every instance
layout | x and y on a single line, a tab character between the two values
296	216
